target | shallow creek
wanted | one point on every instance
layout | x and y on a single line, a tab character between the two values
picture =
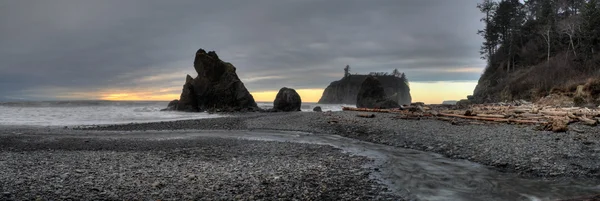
419	175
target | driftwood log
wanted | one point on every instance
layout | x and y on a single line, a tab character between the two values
589	122
549	118
494	119
366	115
365	109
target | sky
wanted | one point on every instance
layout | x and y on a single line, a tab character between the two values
143	49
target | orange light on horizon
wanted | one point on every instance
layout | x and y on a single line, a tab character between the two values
307	95
139	97
427	92
437	92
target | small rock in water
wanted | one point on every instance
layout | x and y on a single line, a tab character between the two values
318	109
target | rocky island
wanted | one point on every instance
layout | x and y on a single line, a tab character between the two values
345	91
217	87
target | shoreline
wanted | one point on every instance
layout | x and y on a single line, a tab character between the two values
508	148
512	149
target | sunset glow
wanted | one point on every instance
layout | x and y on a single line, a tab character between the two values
139	96
307	95
427	92
437	92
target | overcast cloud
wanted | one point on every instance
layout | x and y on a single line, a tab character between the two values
61	48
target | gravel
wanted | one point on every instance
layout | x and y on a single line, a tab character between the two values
509	148
61	164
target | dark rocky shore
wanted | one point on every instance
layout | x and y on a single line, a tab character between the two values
153	161
510	148
72	165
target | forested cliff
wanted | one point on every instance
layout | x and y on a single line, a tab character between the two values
538	47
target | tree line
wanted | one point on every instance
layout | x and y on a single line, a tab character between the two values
520	34
395	73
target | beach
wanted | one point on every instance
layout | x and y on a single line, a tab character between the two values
114	166
235	158
512	148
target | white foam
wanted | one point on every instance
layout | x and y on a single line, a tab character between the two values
71	113
94	114
308	107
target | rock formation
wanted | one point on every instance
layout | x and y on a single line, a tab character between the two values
287	100
372	95
187	100
317	109
216	88
172	105
344	91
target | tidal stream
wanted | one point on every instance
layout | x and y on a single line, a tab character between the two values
419	175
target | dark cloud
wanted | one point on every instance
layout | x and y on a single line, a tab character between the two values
87	45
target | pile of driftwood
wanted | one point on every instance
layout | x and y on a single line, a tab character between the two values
546	117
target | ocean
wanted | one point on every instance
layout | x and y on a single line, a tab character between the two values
76	113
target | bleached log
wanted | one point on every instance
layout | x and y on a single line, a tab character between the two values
491	115
529	115
365	109
587	121
520	121
554	113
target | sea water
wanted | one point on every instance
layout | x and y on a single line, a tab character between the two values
308	107
72	113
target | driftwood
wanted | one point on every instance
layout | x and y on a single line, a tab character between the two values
494	119
554	113
365	109
520	111
473	117
491	115
366	115
548	118
589	122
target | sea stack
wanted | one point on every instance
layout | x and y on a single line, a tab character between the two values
216	88
372	95
287	100
345	91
